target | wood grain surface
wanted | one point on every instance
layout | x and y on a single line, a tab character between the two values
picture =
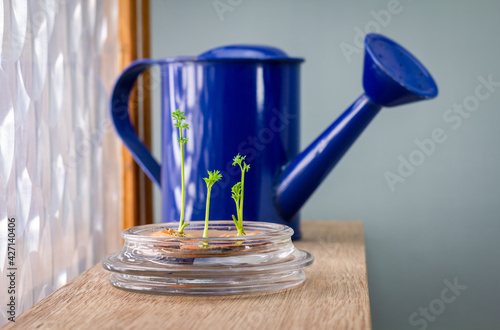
334	296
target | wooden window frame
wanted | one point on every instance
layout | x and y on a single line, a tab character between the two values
135	43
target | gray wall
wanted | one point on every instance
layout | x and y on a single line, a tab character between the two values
442	223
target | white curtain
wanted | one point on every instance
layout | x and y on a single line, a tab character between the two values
60	163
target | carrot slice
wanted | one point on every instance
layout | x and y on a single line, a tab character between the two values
170	233
162	233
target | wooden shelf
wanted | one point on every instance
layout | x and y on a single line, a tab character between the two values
334	296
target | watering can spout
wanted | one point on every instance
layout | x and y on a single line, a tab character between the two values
392	76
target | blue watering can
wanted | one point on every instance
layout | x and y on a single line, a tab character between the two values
246	99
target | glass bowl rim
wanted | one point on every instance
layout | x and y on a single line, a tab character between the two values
272	231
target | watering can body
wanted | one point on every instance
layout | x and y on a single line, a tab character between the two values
246	100
240	105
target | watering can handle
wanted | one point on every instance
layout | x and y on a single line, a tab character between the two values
121	119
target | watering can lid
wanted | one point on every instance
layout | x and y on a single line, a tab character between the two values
241	53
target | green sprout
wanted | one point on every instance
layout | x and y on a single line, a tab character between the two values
179	116
237	193
213	177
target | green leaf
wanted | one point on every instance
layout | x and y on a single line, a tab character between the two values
236	189
183	140
238	159
213	177
178	115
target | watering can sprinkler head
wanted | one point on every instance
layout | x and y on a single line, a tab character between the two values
392	76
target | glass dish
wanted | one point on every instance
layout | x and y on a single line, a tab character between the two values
263	262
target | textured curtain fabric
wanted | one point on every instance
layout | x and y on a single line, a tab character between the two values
60	163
